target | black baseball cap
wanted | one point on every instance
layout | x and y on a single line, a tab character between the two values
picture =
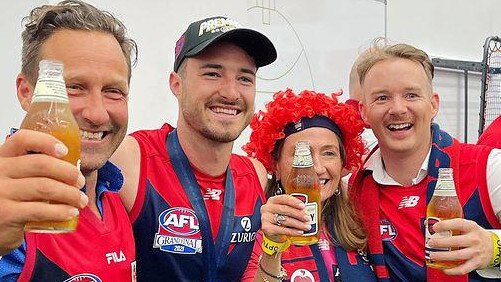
204	33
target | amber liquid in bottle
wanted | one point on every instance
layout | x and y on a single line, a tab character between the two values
303	183
444	204
50	113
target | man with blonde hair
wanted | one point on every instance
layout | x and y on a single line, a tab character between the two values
396	183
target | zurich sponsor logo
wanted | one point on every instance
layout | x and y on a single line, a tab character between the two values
243	237
246	223
178	232
84	277
388	230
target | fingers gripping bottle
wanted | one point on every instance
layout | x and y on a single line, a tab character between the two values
444	204
303	183
50	112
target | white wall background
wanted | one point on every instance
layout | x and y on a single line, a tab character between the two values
316	40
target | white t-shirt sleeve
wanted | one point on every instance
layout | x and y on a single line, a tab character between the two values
494	181
494	187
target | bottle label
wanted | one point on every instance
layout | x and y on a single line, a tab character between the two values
311	210
430	221
445	188
50	90
302	161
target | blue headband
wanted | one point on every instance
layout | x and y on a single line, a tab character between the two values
306	122
315	121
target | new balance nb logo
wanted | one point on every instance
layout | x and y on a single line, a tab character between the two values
408	202
212	194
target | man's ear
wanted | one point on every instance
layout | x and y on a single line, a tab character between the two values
435	103
362	108
24	91
175	83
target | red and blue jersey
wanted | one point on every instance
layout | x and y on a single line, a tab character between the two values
98	251
401	217
168	226
397	243
323	261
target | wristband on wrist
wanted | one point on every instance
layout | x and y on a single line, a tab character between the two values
496	254
270	247
282	275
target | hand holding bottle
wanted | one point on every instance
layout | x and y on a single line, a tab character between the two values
50	113
476	247
29	181
295	220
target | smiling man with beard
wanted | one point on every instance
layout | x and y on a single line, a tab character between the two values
195	206
398	178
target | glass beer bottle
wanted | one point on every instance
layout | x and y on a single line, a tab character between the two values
444	204
50	112
303	183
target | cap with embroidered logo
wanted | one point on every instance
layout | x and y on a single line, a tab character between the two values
204	33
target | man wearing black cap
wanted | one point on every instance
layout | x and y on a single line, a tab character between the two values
195	206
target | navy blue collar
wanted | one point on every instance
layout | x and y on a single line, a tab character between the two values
109	179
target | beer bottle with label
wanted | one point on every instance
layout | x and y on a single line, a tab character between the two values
444	204
303	183
50	112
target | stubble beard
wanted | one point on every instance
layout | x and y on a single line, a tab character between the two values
210	130
93	159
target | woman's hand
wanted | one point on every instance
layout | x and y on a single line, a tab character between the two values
284	215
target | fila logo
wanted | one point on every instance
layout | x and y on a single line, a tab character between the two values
212	194
408	202
113	256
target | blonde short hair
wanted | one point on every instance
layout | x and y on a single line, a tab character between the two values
381	51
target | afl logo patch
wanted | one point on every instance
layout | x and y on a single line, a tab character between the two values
388	230
85	277
178	232
179	221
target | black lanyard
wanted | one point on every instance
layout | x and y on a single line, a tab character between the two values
213	256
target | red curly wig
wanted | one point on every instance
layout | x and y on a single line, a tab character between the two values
286	107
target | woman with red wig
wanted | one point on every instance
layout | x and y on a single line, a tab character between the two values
333	131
